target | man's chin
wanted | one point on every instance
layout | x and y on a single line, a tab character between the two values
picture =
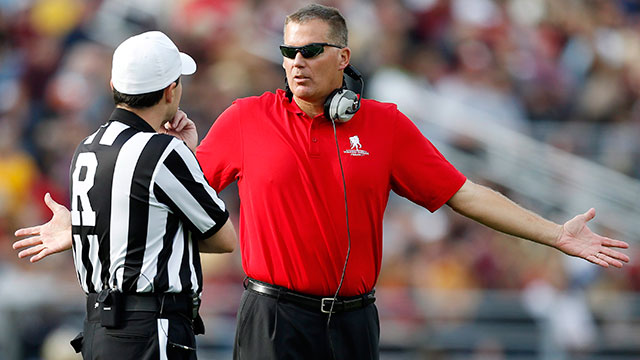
306	96
169	117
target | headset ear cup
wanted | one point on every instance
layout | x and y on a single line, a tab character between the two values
328	103
340	105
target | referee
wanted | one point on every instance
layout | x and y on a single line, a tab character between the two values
141	211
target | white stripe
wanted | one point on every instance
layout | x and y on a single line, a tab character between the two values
155	231
163	332
113	130
189	205
120	191
77	259
173	266
172	145
95	261
194	278
190	159
89	139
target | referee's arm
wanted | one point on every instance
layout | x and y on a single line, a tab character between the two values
55	236
223	241
43	240
180	184
202	210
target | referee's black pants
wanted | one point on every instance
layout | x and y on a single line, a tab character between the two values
143	335
268	328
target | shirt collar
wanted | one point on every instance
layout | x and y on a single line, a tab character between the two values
131	119
289	105
292	106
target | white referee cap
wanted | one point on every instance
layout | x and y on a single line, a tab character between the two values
148	62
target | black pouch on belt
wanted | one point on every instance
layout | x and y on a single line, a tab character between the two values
111	307
198	324
77	341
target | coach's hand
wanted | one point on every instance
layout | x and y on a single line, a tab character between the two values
578	240
183	128
46	239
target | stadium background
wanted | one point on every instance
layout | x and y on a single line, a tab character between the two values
491	82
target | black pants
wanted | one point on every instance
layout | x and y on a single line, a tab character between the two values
268	328
142	336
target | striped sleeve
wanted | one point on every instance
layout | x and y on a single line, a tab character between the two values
180	184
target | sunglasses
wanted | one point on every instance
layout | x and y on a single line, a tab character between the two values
308	51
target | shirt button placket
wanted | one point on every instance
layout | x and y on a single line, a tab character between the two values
314	148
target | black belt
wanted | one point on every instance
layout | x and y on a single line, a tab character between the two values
318	303
160	303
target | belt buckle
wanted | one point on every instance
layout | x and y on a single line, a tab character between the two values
325	303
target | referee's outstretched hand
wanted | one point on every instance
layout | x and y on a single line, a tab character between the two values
46	239
578	240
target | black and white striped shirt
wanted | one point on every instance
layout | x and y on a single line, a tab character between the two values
139	203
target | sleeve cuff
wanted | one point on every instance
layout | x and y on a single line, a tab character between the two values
209	233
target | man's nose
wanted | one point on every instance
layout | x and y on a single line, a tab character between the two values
299	60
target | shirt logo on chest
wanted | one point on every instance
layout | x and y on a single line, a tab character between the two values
356	147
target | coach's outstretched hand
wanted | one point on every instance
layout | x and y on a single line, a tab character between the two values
574	238
46	239
578	240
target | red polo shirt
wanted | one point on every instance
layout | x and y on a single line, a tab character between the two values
292	214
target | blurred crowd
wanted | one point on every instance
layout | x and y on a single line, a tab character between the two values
565	72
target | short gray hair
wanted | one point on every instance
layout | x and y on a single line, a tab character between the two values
338	32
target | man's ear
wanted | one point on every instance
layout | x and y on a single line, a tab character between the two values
345	57
170	92
111	84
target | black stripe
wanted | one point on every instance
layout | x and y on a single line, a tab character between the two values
102	190
196	262
185	268
75	249
139	209
87	264
164	198
185	273
180	170
86	283
161	281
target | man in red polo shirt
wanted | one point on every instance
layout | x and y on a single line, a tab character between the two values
294	236
300	244
293	215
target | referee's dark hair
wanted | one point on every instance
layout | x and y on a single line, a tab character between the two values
141	100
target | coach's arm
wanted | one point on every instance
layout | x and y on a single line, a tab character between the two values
574	238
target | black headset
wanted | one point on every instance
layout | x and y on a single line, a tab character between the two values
342	103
